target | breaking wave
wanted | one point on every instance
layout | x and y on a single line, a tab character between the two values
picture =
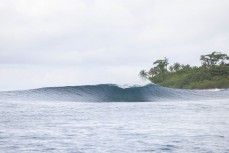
112	93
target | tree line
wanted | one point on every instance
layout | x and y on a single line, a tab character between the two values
213	73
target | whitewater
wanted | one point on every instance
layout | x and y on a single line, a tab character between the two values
110	118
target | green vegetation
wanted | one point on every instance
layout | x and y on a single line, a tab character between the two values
213	73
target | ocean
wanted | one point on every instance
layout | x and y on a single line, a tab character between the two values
111	119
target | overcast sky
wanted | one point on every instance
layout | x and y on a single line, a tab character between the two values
77	42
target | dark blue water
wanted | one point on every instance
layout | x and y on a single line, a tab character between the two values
108	118
113	93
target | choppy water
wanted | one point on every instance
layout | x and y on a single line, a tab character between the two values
192	125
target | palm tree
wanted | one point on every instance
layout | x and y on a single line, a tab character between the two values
143	74
162	64
213	58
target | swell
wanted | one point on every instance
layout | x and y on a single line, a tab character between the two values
112	93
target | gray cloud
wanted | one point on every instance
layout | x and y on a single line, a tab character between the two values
117	37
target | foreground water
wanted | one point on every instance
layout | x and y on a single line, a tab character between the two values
168	126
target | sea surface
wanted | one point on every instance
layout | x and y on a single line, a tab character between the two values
153	119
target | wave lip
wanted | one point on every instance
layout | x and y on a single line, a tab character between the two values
112	93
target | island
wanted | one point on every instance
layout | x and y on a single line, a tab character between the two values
213	73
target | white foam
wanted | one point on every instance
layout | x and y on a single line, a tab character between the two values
216	89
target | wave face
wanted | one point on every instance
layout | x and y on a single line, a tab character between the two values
112	93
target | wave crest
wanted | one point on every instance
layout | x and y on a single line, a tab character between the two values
111	93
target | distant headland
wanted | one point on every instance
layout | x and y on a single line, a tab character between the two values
213	73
